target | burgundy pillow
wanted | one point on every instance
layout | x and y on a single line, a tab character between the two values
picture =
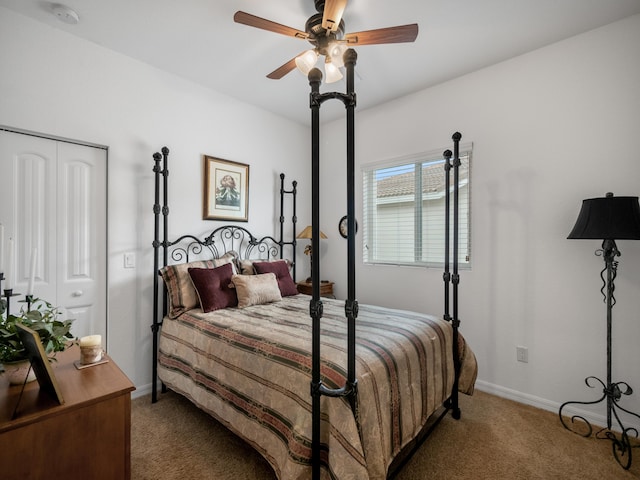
281	270
212	286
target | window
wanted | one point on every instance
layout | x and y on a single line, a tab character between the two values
404	208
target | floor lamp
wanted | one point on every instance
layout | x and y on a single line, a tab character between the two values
608	219
308	250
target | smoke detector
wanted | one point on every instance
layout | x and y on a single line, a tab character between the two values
65	14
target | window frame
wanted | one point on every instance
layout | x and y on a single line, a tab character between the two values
419	161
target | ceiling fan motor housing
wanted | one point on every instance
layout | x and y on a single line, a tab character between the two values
314	27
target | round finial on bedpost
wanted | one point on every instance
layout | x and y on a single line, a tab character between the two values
282	176
447	160
350	56
156	158
457	136
165	151
315	76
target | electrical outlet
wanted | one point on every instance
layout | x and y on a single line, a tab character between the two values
522	354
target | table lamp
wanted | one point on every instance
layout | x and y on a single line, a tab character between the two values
308	250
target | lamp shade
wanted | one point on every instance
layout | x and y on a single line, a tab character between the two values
614	218
306	61
332	72
307	233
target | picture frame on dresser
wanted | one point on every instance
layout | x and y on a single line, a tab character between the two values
226	190
39	362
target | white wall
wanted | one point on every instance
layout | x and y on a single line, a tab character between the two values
56	84
550	129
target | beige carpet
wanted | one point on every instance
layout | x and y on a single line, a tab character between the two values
494	439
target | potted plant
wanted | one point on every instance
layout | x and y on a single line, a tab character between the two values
42	317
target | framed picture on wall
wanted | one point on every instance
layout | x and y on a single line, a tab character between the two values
226	190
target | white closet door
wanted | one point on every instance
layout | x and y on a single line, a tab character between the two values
53	199
81	236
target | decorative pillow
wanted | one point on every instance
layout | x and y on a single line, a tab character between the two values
229	257
182	294
180	289
246	266
212	286
256	289
281	270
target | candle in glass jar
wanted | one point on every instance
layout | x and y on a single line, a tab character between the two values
91	341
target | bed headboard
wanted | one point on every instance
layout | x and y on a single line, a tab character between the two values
221	241
228	238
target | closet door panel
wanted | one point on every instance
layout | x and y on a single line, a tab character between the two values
28	211
82	255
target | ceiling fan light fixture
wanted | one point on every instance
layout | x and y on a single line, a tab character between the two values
333	73
307	61
336	52
326	32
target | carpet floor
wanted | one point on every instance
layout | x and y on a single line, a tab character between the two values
495	439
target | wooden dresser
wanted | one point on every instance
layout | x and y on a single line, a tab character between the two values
89	436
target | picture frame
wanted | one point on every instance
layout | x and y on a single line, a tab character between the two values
226	190
39	362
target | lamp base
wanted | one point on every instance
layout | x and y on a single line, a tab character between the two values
621	440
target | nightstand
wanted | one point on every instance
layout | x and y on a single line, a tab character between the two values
88	436
326	288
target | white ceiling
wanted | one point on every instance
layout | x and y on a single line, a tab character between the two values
198	40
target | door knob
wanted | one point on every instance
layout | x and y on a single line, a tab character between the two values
77	293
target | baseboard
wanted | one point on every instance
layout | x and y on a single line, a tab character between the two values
595	419
141	391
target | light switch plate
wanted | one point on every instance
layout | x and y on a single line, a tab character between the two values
129	260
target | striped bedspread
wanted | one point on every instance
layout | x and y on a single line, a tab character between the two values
251	369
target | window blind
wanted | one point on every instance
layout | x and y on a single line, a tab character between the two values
404	208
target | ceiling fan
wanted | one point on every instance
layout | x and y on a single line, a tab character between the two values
325	31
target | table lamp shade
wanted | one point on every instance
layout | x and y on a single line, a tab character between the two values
307	233
614	218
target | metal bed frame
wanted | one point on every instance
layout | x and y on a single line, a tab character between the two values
243	240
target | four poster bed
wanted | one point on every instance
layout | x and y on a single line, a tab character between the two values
322	397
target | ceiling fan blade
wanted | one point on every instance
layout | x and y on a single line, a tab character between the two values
280	72
400	34
333	10
264	24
